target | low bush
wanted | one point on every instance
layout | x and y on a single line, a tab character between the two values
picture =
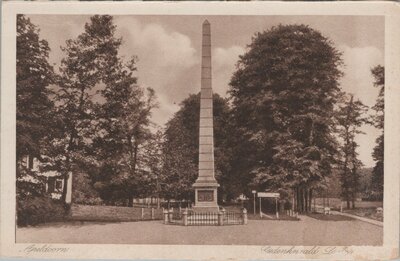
36	210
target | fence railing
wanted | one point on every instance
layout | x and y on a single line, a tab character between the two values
188	217
233	218
202	219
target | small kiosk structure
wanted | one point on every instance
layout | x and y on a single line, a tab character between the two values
275	195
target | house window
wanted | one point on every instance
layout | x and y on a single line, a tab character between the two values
50	184
58	185
54	185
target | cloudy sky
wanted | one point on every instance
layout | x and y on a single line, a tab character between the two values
169	51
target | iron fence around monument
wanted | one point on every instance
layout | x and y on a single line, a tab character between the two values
202	219
177	215
233	218
189	217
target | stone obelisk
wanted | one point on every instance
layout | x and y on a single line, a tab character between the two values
206	185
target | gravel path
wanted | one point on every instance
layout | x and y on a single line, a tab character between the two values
307	231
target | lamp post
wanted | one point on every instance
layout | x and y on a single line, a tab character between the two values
254	201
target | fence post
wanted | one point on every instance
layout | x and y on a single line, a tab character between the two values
185	217
244	216
142	213
152	213
220	218
165	212
170	214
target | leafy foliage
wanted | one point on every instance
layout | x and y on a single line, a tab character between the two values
378	153
283	94
83	191
351	115
123	138
35	210
29	183
34	76
88	59
108	139
35	111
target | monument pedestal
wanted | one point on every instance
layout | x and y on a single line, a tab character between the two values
206	197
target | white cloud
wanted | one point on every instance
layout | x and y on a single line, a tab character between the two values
224	61
165	58
56	31
358	80
366	144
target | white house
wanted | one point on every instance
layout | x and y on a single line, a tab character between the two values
54	181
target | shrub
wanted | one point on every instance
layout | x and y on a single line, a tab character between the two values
36	210
84	192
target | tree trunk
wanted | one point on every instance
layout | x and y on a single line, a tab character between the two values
68	164
66	173
298	206
302	199
130	201
309	199
353	200
65	188
305	200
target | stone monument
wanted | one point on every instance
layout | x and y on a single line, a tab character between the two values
206	185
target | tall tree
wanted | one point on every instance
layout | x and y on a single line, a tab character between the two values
378	153
351	115
283	94
123	140
35	109
87	59
34	77
181	148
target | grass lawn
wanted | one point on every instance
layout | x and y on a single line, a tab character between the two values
334	203
369	204
320	216
365	212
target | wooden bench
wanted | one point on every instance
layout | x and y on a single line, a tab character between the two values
322	210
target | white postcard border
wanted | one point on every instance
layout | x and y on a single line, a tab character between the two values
390	10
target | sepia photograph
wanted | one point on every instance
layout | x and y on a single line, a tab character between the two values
203	130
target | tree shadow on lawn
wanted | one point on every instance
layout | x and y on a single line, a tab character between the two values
330	217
